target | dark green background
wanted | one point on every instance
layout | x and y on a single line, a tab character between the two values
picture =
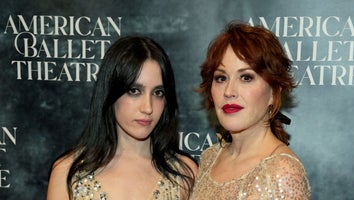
49	115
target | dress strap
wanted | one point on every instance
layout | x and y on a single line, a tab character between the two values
277	147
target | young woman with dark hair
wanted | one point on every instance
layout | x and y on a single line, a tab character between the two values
129	148
245	77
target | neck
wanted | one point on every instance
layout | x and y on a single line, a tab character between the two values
249	142
131	147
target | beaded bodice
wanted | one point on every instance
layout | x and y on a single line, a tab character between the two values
279	176
88	188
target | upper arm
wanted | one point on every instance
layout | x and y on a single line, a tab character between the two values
288	178
191	173
57	189
191	164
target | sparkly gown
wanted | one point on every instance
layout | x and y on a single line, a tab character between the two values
279	176
88	188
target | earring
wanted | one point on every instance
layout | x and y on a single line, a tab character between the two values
270	109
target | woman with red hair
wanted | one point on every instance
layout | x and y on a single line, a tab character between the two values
245	78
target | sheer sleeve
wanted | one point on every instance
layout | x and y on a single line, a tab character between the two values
280	176
207	157
286	178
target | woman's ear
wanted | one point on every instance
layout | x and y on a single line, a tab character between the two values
275	100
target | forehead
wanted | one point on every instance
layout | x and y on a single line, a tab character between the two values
150	73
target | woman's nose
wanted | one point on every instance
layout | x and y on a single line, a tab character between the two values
230	90
146	105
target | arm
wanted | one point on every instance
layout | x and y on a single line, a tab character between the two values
57	189
287	178
194	167
191	164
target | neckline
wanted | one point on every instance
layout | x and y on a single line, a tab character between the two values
245	174
163	183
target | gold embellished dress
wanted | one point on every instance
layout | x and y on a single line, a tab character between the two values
279	176
88	188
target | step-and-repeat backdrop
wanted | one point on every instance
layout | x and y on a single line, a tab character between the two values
51	51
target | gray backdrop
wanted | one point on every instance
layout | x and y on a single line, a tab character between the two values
50	51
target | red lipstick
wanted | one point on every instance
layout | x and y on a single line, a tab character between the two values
231	108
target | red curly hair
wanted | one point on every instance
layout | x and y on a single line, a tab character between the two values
260	48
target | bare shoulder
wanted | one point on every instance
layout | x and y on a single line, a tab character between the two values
61	166
63	162
57	181
191	163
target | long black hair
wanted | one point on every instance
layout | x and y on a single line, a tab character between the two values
119	70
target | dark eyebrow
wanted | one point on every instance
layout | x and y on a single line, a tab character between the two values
140	86
160	87
137	85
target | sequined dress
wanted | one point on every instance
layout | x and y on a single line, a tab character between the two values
279	176
88	188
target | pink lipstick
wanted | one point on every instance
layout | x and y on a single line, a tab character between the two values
144	122
231	108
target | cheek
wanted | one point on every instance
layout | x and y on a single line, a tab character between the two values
118	104
159	105
116	110
214	92
123	105
265	95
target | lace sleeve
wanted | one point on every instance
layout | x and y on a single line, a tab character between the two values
207	157
287	178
